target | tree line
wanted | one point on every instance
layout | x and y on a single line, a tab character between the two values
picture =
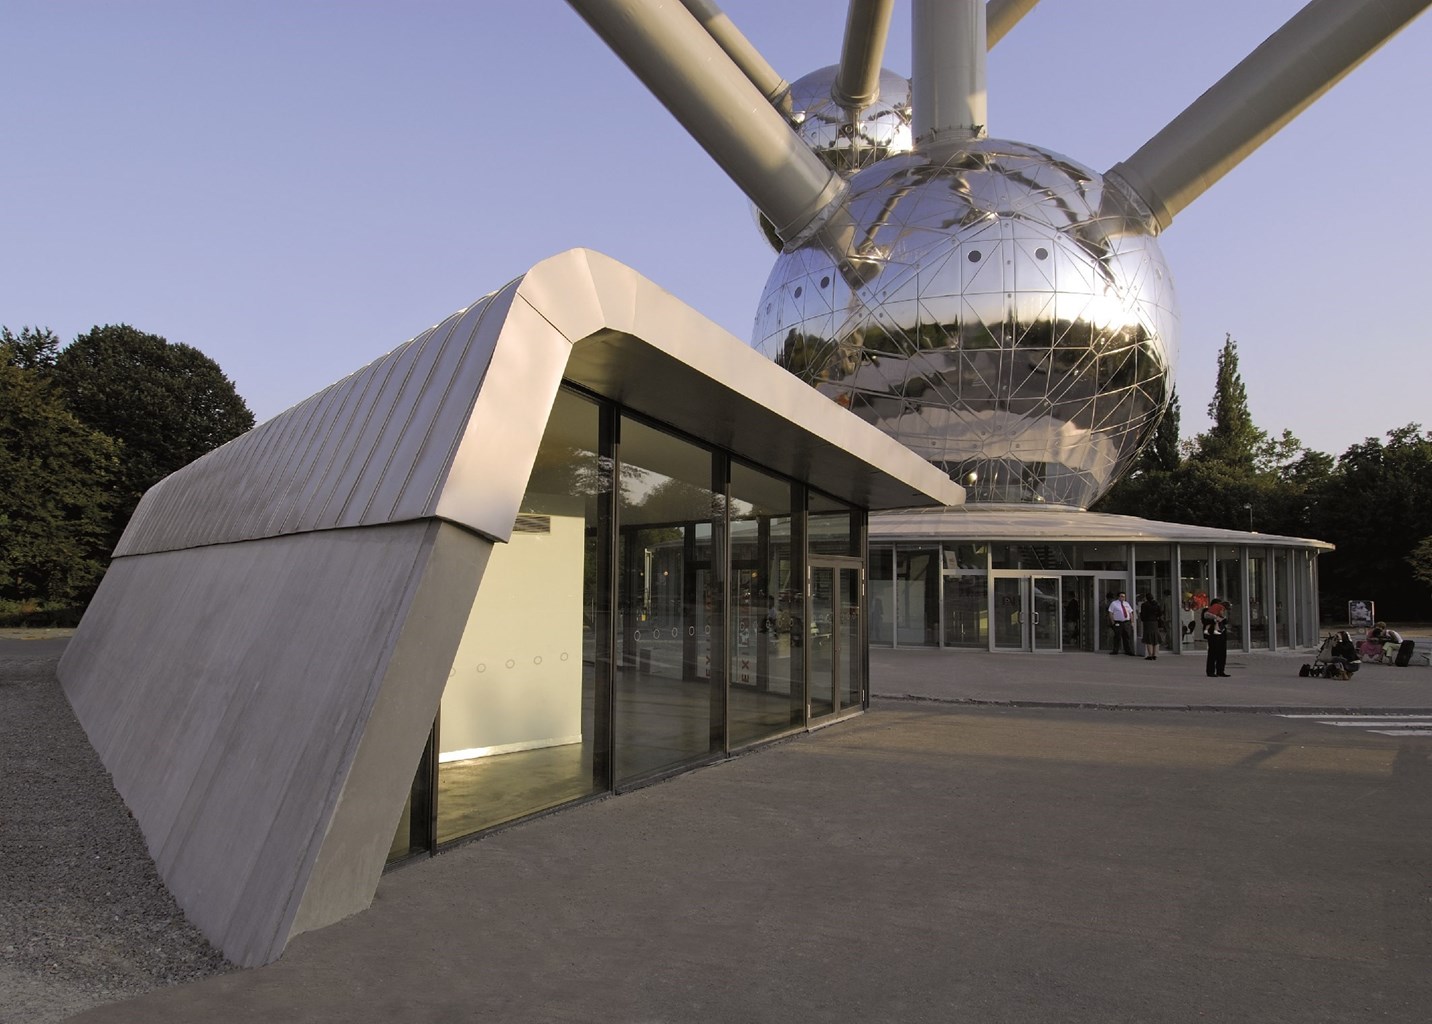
1374	501
85	430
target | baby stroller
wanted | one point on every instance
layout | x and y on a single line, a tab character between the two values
1326	666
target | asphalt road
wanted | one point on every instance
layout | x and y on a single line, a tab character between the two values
926	862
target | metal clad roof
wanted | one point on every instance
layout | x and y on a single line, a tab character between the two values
1043	523
447	425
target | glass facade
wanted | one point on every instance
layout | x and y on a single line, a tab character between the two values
1052	595
658	604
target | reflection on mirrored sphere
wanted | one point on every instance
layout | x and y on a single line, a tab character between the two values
881	130
1002	316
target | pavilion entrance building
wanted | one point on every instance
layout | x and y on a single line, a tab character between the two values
1039	579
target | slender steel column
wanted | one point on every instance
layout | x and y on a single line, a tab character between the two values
948	88
1003	15
1272	85
745	56
867	23
682	65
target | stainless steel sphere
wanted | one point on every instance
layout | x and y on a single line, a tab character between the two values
880	130
1004	317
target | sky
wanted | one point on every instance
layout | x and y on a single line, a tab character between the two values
297	187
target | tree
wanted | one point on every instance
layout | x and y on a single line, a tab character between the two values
54	500
1376	506
1233	439
166	403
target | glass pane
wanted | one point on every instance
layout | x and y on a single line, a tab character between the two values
1195	586
1047	609
917	597
881	584
822	647
851	662
767	695
967	556
1228	583
516	729
1009	613
1153	576
1257	598
967	611
1284	600
669	598
831	528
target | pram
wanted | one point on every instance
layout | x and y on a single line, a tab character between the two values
1325	666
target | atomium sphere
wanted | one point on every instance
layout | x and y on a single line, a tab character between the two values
880	130
1005	314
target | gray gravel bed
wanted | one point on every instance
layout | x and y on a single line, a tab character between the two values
84	918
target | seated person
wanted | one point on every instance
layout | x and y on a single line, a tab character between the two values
1391	641
1344	656
1371	647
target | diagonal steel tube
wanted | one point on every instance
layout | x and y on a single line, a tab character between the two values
858	82
745	56
1272	85
1003	15
677	59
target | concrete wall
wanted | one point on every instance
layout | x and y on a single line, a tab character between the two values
241	695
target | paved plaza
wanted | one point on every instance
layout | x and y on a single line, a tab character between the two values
1092	844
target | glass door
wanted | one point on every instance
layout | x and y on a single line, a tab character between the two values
1011	596
1045	614
837	677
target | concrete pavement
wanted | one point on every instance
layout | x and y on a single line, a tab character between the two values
932	861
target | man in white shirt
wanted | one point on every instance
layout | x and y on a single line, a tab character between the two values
1121	617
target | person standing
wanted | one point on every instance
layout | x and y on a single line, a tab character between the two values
1071	618
1215	633
1151	620
1121	617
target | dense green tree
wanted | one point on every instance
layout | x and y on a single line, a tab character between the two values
33	348
1421	562
55	502
1233	439
166	403
1376	506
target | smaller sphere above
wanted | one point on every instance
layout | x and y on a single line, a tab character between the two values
881	130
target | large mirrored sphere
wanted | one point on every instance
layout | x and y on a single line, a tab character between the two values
1004	317
880	130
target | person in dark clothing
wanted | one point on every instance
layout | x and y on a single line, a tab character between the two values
1344	659
1215	633
1151	619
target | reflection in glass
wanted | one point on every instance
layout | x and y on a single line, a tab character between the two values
1229	584
823	601
669	599
852	663
1284	599
1257	598
880	584
1009	612
767	695
1196	588
917	596
831	526
1153	574
516	730
967	611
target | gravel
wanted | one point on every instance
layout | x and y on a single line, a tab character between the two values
84	918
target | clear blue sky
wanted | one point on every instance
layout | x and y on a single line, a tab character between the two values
297	187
